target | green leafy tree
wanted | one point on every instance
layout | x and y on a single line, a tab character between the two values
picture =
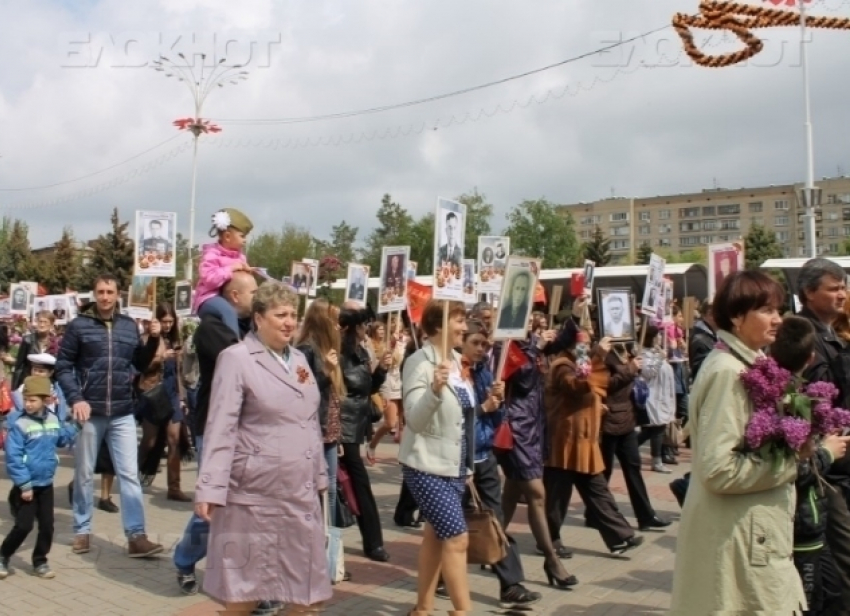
112	253
537	230
343	239
598	249
394	229
422	244
478	215
64	264
276	250
760	245
644	254
16	261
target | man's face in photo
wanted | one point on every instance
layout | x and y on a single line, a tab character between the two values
615	309
156	229
20	296
183	296
394	263
519	289
451	228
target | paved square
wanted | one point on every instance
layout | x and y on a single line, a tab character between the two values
106	582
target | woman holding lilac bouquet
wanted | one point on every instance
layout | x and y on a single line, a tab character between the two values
735	545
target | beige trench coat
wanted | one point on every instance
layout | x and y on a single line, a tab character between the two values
735	546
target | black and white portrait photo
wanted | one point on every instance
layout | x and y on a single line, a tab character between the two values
356	283
300	277
654	286
449	234
156	238
616	314
469	292
59	307
392	292
492	253
183	298
20	299
312	266
517	298
589	272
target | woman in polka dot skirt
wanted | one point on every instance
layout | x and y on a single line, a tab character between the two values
436	453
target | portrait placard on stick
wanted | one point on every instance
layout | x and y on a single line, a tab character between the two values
493	251
723	260
300	277
589	273
392	289
357	283
183	298
616	314
20	299
653	289
449	234
516	298
141	297
470	296
156	237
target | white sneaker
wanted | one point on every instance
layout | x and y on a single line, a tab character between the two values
658	467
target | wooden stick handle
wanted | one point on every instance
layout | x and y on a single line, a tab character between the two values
503	358
445	332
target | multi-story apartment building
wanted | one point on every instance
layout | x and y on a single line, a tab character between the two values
678	223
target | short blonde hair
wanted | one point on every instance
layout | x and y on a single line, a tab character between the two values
272	294
45	314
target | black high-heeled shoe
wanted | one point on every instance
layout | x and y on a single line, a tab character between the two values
554	580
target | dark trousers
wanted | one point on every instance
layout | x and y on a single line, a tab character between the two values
809	567
600	506
26	513
405	509
655	436
625	448
838	538
488	483
368	521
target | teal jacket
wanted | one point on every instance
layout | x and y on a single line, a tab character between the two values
31	444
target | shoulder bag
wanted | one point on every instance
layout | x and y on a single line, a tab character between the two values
488	543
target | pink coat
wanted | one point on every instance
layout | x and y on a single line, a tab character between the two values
263	464
214	271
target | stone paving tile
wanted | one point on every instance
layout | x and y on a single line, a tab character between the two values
106	582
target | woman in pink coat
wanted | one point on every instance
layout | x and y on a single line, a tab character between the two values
263	469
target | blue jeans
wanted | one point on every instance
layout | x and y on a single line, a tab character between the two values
192	548
332	460
221	308
120	436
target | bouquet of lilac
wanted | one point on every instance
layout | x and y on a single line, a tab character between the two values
787	412
582	362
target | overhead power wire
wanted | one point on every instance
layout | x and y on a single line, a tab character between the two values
94	173
437	97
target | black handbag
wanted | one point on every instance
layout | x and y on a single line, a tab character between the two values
343	518
158	404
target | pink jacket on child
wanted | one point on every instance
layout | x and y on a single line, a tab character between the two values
214	271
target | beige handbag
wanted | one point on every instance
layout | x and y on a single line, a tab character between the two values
488	543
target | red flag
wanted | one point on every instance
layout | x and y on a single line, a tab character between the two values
417	296
515	360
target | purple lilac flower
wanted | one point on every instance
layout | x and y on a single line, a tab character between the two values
840	419
583	370
765	382
822	390
795	431
822	418
763	426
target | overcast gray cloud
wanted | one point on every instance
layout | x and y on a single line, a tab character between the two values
672	128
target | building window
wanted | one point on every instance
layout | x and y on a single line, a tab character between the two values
725	238
846	231
619	244
664	214
620	231
591	220
644	230
709	225
786	251
665	242
619	217
687	227
755	207
757	220
689	241
586	234
832	232
665	228
833	248
707	239
730	224
708	210
645	216
780	204
781	236
688	212
781	221
845	198
833	216
801	218
727	210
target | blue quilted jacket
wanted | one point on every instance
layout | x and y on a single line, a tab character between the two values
97	359
31	444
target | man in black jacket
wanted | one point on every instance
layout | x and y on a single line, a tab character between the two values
211	338
98	354
702	339
821	288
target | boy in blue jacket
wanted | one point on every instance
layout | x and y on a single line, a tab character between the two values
31	462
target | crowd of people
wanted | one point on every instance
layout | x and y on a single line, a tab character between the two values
284	416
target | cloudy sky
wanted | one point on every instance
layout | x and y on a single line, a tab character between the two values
77	101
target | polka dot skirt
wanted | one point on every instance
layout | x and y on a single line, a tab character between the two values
440	499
